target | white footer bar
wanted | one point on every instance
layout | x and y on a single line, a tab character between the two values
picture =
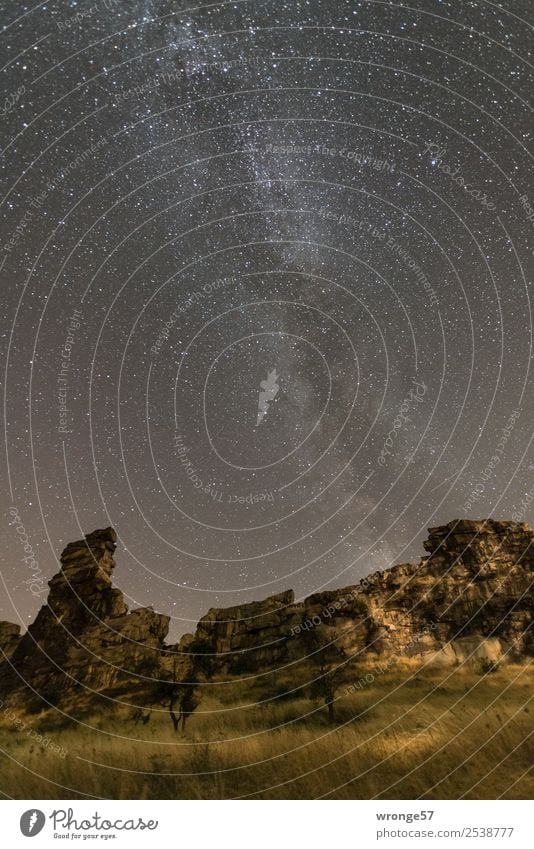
268	824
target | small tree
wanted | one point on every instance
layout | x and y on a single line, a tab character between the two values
325	686
139	715
189	700
180	697
328	668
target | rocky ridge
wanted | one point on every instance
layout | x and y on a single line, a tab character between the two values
470	598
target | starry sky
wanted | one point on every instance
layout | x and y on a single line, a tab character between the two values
321	210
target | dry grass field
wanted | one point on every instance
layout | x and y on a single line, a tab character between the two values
433	733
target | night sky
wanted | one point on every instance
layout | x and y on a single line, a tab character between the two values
266	270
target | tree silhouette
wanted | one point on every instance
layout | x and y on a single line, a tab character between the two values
181	698
328	666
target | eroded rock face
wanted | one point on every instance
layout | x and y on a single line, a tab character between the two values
471	597
261	625
9	637
477	582
84	637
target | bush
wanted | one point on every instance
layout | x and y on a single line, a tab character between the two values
488	666
203	656
243	663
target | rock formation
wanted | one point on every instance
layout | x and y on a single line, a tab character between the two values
473	595
470	598
9	637
84	639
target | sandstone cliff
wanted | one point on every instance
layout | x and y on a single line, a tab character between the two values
84	639
470	598
472	594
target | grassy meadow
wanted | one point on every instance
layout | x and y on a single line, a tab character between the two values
429	733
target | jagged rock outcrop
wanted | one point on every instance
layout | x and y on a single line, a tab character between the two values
471	597
9	637
84	639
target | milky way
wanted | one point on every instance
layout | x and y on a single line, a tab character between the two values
267	272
